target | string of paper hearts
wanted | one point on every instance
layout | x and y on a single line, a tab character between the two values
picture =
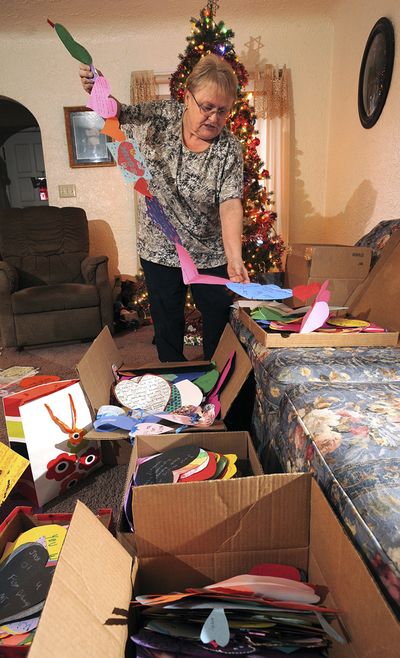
124	150
127	156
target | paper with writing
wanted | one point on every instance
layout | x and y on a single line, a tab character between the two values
148	392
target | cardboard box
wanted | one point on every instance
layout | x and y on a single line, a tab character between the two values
190	540
315	339
21	519
344	266
95	371
239	443
378	295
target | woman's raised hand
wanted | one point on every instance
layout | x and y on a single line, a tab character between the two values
86	75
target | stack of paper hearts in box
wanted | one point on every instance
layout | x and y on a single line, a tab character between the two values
159	403
269	612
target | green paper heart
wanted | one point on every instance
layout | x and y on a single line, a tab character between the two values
74	48
207	381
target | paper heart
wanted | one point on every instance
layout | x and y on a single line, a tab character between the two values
277	570
100	100
149	392
25	580
190	394
74	48
304	292
157	215
315	317
127	159
319	311
112	129
142	187
160	469
216	628
190	273
259	291
202	472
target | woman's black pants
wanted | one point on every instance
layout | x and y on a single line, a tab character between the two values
167	296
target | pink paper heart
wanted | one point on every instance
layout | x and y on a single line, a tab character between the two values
100	101
315	317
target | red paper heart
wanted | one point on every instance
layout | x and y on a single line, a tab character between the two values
304	292
142	187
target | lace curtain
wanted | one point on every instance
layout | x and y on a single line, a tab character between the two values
143	87
272	107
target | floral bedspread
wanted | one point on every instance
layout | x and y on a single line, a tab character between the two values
349	437
336	412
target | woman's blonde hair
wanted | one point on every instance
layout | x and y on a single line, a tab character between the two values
212	69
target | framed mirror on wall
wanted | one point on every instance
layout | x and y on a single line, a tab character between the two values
376	72
87	146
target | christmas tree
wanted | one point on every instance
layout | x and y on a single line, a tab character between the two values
262	247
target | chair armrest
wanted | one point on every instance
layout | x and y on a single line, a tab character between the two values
89	268
95	272
8	278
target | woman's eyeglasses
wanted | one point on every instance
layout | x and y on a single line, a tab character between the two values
208	110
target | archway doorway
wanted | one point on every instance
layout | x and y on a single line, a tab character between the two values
22	170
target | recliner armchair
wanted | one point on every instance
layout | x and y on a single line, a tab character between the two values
50	289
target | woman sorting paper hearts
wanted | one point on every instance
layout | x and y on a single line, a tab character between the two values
196	169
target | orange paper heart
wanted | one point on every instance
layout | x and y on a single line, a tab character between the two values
112	129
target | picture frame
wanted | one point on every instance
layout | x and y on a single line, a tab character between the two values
87	146
376	72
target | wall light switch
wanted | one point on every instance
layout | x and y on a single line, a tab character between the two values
65	191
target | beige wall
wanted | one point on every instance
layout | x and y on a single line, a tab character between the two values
363	179
39	73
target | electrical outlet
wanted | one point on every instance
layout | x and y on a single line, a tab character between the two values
65	191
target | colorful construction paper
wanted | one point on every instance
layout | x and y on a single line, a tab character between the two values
100	101
157	215
74	48
190	272
203	472
259	291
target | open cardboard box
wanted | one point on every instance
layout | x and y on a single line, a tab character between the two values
191	540
345	267
375	299
95	372
238	443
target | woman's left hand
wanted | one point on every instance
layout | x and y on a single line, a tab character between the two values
237	272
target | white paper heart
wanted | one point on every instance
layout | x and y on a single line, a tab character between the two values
190	393
216	628
149	392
